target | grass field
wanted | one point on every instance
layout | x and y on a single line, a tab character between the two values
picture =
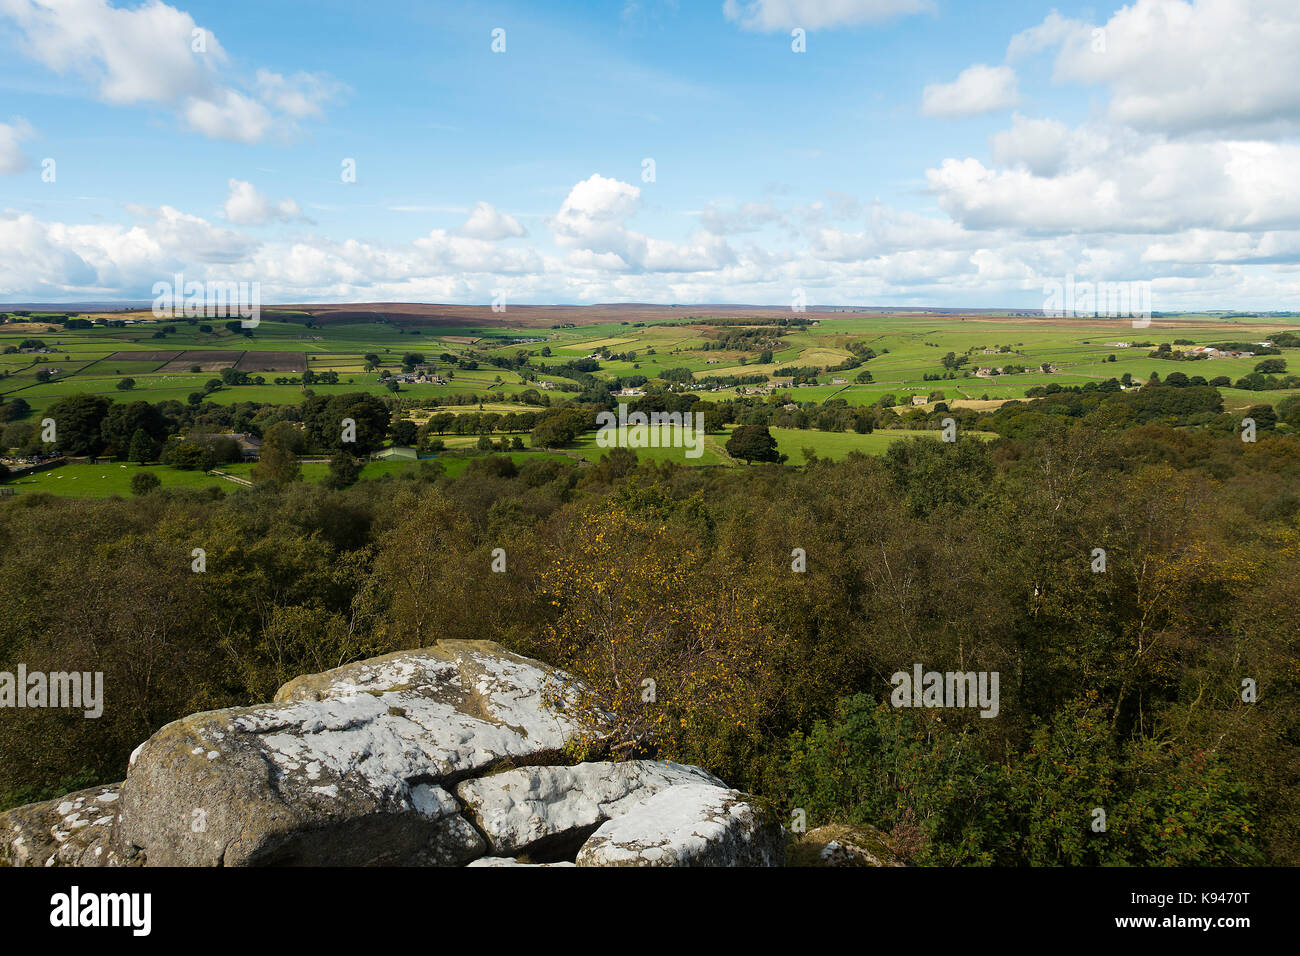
909	353
114	478
789	441
107	480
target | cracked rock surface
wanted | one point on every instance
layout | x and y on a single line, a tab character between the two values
536	808
694	824
75	830
435	757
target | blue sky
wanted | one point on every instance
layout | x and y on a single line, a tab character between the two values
915	153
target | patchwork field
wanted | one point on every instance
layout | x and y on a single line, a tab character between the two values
487	364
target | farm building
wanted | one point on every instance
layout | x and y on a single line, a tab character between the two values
249	445
396	453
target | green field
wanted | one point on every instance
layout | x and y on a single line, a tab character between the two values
789	442
114	478
109	479
909	348
908	363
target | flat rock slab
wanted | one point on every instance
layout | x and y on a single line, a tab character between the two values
692	824
511	861
551	810
76	830
349	767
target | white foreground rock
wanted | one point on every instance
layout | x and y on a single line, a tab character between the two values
510	861
541	809
689	825
349	767
450	755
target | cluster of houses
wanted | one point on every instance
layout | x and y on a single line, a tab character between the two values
421	375
249	445
1205	351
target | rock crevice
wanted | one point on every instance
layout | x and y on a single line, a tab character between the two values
448	755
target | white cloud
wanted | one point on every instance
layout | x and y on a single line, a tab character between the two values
1039	145
489	223
1156	186
245	206
977	89
770	15
132	56
1176	66
592	219
231	116
592	215
157	54
12	158
300	95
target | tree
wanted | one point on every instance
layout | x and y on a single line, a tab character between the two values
344	471
287	435
143	482
187	455
1263	415
78	419
276	466
143	448
122	421
404	432
125	385
752	443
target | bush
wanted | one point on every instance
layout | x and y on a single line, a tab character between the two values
143	482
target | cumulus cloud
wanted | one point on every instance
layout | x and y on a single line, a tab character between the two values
770	15
12	158
592	222
977	89
229	115
1038	145
245	206
157	54
592	216
489	223
1157	187
300	95
1181	67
